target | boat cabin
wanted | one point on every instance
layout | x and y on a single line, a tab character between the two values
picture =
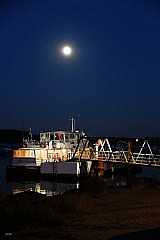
62	136
60	139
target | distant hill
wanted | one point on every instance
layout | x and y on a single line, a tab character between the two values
14	136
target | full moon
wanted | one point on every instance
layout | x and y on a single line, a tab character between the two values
67	50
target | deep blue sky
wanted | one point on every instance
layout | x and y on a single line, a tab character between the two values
110	85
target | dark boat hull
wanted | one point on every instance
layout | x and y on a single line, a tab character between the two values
22	173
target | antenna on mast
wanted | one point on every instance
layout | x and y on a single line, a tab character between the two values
30	133
72	124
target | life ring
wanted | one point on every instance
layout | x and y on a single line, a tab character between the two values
43	144
25	145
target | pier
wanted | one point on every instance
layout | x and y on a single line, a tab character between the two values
133	152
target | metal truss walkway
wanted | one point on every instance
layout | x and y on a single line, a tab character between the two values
119	152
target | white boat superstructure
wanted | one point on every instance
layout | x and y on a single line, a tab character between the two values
52	147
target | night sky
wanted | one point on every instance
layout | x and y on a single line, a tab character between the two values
111	82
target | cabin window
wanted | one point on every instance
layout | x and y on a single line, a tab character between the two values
42	135
51	136
76	136
67	137
56	136
72	136
59	136
47	135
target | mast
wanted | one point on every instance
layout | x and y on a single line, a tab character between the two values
30	134
72	124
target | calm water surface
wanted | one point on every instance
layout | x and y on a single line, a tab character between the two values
45	187
52	188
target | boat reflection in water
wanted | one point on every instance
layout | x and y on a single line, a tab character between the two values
48	188
116	181
117	177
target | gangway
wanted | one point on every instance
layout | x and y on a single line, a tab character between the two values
102	150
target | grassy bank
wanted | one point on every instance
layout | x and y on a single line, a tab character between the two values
93	211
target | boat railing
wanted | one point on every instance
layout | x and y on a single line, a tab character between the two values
30	143
34	143
125	157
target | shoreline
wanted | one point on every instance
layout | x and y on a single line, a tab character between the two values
94	210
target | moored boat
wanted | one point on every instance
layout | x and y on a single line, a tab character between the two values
69	170
52	150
